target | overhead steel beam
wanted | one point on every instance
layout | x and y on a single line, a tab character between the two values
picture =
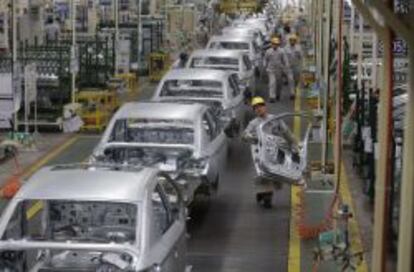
369	17
393	21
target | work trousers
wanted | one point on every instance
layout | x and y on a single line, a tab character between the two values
275	84
266	185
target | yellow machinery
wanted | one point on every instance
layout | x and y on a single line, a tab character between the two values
158	66
229	6
97	107
131	80
129	86
248	5
235	6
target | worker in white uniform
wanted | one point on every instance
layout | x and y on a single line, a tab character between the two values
276	64
295	56
52	30
264	186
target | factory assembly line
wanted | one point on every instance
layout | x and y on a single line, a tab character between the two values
219	136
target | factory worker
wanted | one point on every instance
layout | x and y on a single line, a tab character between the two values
295	56
264	186
276	64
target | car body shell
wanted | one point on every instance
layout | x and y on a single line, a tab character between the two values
264	25
107	184
253	49
245	30
233	107
244	67
211	152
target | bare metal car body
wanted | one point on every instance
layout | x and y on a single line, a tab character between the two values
230	60
273	159
245	30
184	140
263	24
86	217
240	42
218	89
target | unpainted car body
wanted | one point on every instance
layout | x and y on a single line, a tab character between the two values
230	60
263	24
217	89
245	30
240	42
94	218
184	140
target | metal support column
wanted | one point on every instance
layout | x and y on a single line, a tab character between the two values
116	18
14	61
406	228
352	30
360	47
374	70
73	50
139	38
383	182
338	114
326	77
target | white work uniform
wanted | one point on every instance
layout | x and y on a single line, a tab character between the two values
277	64
252	130
52	31
295	57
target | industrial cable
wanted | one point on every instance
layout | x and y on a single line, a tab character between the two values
307	231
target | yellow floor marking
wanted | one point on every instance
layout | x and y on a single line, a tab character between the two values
354	233
33	210
49	156
294	261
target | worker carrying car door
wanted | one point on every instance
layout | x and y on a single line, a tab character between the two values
295	56
277	64
265	186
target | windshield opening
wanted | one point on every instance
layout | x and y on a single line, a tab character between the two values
68	220
230	45
219	63
153	131
192	88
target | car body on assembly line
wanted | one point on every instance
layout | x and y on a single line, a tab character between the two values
183	140
91	217
262	24
245	30
218	89
239	42
229	60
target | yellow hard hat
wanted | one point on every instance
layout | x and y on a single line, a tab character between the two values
293	37
275	40
257	100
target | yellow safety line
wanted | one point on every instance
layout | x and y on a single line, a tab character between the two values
49	156
294	261
353	227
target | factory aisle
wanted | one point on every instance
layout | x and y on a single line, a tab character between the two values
231	233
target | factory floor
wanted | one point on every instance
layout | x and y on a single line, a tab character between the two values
229	232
